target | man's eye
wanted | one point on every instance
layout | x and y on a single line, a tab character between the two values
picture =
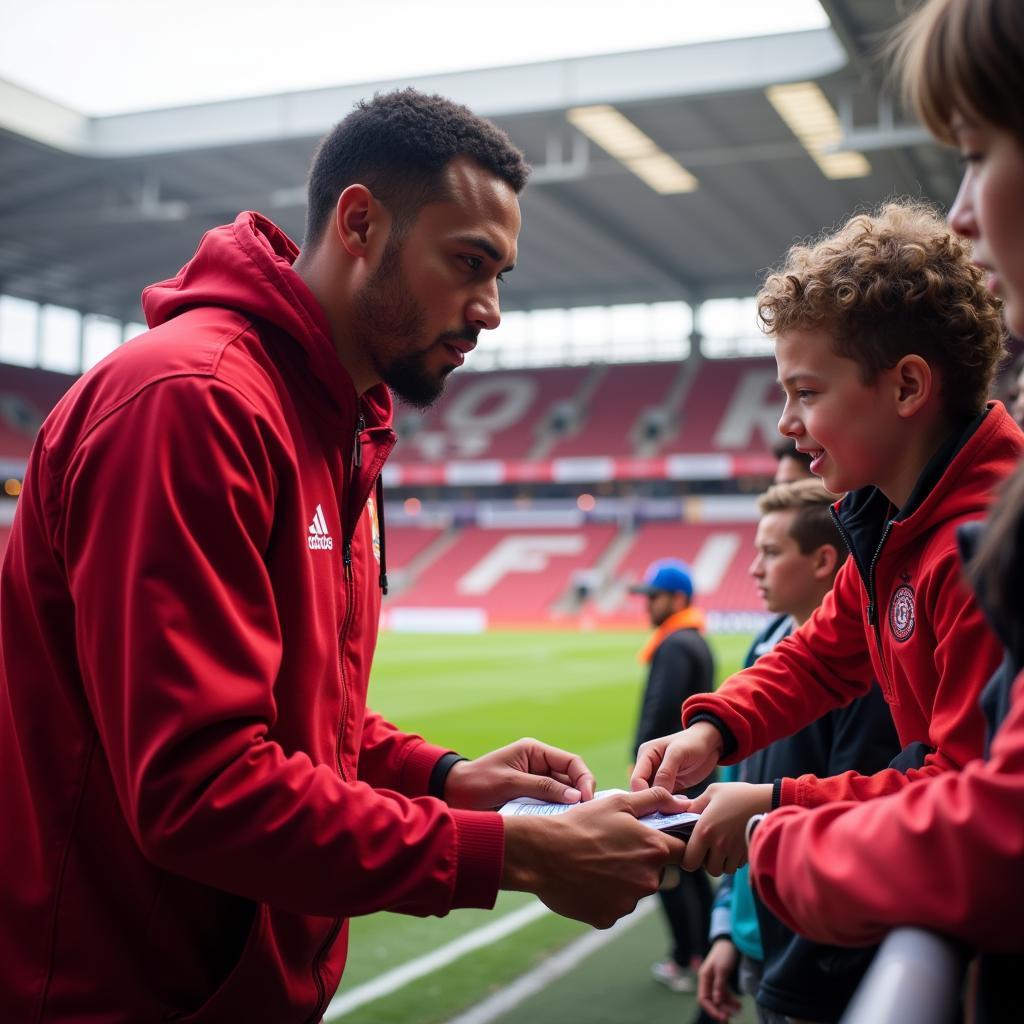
473	262
970	157
501	277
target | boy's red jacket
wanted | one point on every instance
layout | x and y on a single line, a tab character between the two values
194	795
925	640
943	854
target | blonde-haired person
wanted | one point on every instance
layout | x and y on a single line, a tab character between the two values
945	854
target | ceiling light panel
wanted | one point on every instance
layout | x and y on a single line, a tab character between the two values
813	120
617	135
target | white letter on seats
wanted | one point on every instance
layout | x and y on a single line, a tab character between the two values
520	553
751	409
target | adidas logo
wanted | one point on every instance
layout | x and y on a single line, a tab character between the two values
319	537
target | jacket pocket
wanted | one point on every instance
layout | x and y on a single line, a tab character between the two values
237	992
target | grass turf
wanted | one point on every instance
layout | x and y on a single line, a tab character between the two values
580	691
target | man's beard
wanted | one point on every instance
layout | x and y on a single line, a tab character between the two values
388	318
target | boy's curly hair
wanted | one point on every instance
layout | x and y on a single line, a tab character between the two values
889	284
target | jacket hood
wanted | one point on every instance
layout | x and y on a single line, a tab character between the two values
247	266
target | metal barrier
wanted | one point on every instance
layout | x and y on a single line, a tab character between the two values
915	978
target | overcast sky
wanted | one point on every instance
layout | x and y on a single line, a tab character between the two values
109	56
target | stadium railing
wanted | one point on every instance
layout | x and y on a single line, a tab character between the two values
915	978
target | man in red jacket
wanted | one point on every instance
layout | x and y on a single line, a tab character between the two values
886	341
194	793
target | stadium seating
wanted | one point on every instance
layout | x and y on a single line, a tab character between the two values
406	543
730	407
537	575
26	397
496	415
613	411
514	575
718	554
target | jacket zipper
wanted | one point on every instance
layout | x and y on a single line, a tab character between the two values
346	558
869	583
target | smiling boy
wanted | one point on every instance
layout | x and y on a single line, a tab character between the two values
886	342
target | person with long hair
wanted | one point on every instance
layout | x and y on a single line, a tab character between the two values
945	853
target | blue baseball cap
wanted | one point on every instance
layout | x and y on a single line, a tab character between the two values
666	575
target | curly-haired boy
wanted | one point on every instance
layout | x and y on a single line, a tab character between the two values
886	342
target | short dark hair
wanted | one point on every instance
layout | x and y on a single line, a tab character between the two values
398	145
813	524
785	448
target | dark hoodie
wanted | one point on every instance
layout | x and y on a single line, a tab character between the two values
194	794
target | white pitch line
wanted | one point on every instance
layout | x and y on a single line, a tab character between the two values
550	970
345	1002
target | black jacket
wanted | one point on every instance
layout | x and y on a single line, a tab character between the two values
681	666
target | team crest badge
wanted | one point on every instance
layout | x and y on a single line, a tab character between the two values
374	527
902	619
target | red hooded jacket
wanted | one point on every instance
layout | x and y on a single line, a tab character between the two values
194	794
921	634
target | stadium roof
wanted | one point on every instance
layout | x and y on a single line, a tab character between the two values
92	209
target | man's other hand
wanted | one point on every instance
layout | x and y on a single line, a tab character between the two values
595	862
678	761
524	768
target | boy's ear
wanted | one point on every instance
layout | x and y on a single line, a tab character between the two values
826	562
359	221
914	381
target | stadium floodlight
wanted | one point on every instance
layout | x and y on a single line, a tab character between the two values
617	135
813	120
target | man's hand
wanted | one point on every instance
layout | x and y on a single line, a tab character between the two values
714	993
524	768
678	761
595	862
718	842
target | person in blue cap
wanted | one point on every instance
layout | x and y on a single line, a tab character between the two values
680	663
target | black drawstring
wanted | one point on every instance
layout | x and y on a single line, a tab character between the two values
380	531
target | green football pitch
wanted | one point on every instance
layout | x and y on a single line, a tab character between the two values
577	690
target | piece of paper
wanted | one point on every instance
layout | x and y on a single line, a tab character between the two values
678	824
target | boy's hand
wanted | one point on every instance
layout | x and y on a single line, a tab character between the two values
524	768
595	862
718	843
679	761
714	993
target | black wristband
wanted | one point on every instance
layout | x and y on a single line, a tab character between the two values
776	793
729	743
439	773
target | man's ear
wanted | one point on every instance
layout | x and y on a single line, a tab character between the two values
359	220
826	562
915	382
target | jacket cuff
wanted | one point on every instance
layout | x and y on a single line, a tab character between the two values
784	792
418	768
481	858
729	743
721	923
